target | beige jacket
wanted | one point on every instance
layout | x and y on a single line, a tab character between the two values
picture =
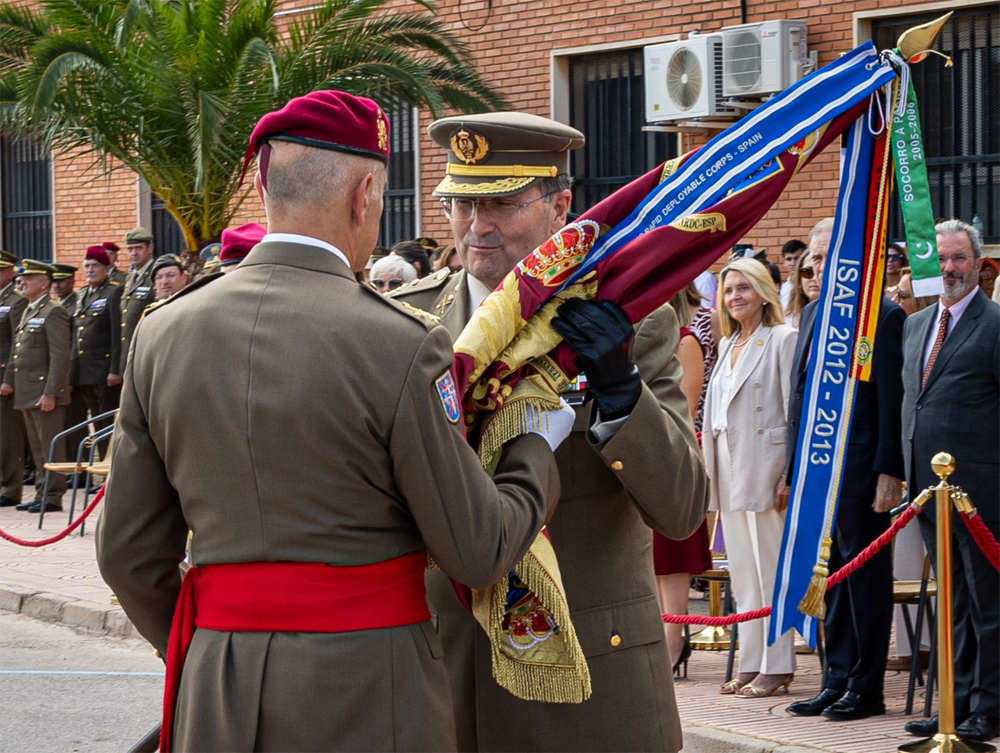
756	419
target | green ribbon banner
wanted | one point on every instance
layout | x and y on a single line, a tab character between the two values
915	197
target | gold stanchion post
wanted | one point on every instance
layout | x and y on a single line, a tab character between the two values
945	741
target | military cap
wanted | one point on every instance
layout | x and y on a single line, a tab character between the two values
111	246
237	242
98	254
138	235
166	260
33	267
63	271
7	260
325	120
501	153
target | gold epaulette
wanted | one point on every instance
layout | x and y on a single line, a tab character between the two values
429	282
419	312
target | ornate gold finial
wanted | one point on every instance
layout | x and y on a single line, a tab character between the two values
914	44
943	465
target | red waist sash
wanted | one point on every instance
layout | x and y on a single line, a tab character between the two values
303	597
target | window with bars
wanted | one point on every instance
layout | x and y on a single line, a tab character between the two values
399	214
167	235
606	104
26	199
959	115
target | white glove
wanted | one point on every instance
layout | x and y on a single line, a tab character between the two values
555	425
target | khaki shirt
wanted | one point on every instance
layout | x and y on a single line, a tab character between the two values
137	295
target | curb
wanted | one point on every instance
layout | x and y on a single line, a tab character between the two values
65	610
701	739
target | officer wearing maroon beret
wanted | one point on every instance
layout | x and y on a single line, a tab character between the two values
236	244
97	337
115	274
326	413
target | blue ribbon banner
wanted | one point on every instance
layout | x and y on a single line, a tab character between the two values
732	157
829	393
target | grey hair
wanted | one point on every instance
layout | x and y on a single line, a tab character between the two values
954	227
394	265
823	227
299	175
552	186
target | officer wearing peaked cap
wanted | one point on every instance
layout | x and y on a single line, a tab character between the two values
37	372
138	292
168	275
330	517
12	305
63	293
506	190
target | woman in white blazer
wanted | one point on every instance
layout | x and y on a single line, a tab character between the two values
744	436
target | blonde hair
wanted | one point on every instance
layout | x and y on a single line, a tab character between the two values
760	280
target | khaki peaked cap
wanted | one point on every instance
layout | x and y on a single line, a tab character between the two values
501	153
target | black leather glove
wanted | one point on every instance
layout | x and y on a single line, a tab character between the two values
602	337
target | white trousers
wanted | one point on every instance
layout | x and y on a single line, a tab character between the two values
908	552
753	543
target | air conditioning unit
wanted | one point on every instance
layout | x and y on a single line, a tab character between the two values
763	58
683	80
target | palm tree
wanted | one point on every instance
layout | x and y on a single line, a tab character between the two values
171	89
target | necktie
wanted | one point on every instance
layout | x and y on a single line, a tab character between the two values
938	341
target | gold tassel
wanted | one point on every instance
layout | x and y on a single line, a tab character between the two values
814	602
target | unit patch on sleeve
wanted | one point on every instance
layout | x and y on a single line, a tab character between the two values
449	396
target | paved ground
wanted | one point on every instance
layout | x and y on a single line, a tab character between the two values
61	583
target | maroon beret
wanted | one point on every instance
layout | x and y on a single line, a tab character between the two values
237	242
110	246
98	254
326	120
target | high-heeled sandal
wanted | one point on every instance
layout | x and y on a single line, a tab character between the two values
756	691
684	655
731	687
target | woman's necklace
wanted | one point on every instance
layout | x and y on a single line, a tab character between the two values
738	344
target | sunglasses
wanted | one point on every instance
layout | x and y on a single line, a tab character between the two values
807	273
894	257
390	284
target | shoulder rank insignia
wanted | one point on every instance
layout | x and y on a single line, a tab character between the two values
419	312
445	385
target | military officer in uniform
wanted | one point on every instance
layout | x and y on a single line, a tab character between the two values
631	463
64	293
168	276
97	338
323	495
138	292
37	374
115	274
12	437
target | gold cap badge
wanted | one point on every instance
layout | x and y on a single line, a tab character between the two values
383	132
470	148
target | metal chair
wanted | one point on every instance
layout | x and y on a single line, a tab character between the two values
918	593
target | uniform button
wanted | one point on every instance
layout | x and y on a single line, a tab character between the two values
80	328
617	465
80	352
757	385
616	640
123	338
760	431
759	409
15	371
123	323
15	355
18	343
919	406
41	378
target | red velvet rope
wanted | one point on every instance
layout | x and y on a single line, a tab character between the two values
984	537
62	534
869	551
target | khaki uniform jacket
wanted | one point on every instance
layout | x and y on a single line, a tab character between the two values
97	335
318	435
39	361
69	303
12	306
137	295
648	475
116	275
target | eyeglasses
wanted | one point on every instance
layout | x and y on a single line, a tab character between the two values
894	257
391	284
498	210
807	273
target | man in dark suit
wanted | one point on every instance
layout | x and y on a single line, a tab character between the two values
859	611
951	403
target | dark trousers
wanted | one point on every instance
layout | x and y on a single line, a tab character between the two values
11	449
975	599
99	398
858	610
41	428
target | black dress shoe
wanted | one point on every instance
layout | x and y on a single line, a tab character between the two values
979	728
49	507
29	479
855	705
26	506
8	502
922	727
816	706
